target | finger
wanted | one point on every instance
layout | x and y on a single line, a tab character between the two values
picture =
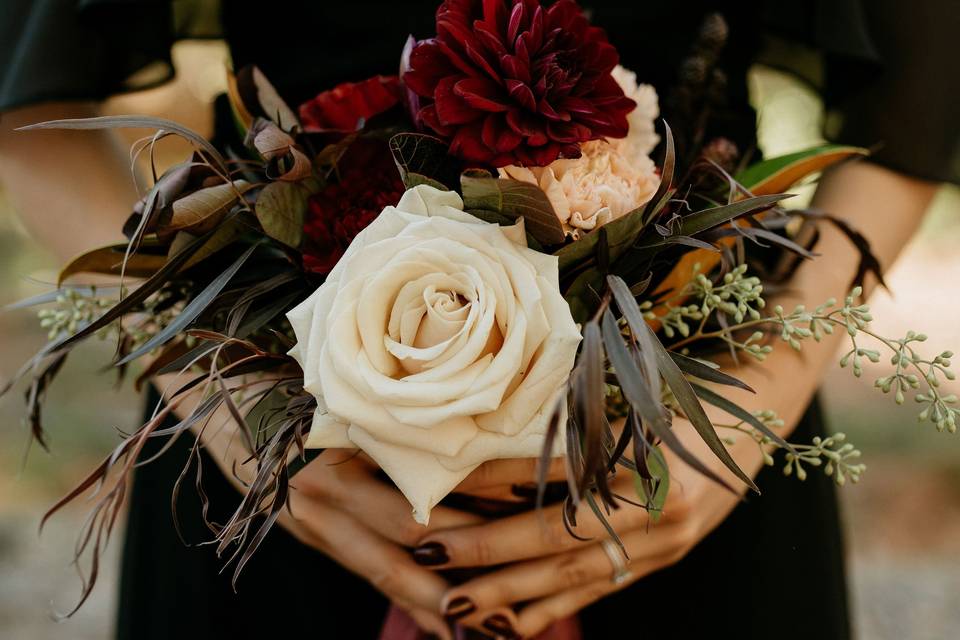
526	581
431	623
505	473
385	565
532	534
541	614
351	487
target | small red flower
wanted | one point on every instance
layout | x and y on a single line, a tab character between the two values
346	106
514	82
368	181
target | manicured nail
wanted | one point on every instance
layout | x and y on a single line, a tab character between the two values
499	625
459	607
527	491
430	554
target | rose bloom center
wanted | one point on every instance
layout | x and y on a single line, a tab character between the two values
433	316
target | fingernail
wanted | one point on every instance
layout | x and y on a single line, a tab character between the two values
459	607
527	490
430	554
499	625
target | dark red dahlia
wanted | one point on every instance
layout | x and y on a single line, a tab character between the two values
515	82
367	181
348	105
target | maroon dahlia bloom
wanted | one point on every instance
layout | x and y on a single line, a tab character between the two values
514	82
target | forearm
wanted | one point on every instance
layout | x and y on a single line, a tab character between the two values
72	189
887	208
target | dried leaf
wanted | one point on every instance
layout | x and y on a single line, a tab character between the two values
693	410
204	209
735	410
136	122
281	208
191	311
702	370
109	261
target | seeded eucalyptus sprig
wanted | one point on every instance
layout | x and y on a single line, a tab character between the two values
837	457
740	299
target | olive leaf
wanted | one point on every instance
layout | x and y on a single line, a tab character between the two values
513	199
281	208
657	468
774	175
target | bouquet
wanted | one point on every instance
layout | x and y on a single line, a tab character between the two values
477	258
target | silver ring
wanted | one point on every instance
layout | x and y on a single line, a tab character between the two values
621	573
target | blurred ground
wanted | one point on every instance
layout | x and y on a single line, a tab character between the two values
903	519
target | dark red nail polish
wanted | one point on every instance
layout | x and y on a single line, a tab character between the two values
431	554
527	491
459	607
499	625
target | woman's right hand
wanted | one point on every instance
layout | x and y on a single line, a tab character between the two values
339	506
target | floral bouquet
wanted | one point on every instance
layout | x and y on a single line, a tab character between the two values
474	259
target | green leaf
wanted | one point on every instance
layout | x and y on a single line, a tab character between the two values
778	174
692	408
642	402
423	159
657	466
513	199
583	294
621	234
281	208
700	221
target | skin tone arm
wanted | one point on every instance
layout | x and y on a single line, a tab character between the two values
695	507
559	575
75	189
54	178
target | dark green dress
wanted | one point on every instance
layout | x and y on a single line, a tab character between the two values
775	567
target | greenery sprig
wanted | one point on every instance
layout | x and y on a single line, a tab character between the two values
740	298
837	457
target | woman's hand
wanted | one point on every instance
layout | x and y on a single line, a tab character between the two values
340	507
557	574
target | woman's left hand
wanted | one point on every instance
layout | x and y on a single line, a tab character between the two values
556	574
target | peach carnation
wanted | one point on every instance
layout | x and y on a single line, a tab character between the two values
611	177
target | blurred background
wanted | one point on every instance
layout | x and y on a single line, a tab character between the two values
902	520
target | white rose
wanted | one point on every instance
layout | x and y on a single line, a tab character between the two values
436	343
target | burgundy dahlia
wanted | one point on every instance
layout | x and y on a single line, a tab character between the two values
367	182
516	82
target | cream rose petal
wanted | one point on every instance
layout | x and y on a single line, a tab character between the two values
437	342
